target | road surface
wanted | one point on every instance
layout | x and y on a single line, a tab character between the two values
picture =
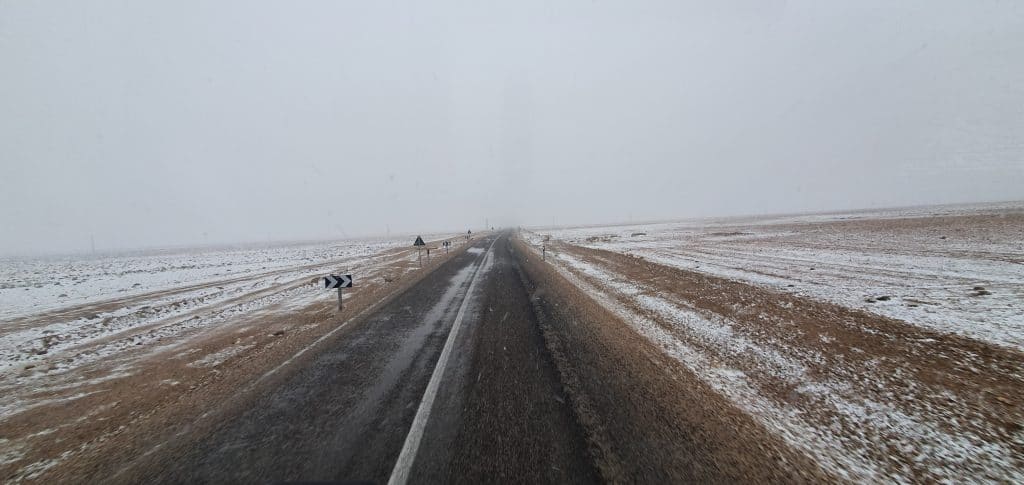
501	362
473	374
498	411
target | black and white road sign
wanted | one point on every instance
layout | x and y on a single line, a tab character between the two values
419	242
333	281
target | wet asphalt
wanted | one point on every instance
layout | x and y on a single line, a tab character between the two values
500	413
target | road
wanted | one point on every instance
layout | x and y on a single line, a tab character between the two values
496	364
498	411
482	371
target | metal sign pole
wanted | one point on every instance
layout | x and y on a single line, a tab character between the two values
418	243
335	281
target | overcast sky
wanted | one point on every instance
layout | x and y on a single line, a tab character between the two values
145	123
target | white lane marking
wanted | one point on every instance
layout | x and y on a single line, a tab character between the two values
252	385
372	307
400	473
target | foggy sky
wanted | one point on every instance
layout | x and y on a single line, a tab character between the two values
165	123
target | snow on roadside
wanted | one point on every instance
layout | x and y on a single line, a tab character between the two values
184	313
217	358
844	430
44	341
34	286
963	275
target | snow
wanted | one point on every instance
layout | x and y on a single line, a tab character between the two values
73	328
707	345
33	286
927	271
120	308
170	292
217	358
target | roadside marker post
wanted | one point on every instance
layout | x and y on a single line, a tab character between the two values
419	246
338	281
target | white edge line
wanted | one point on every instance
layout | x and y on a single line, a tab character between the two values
267	374
400	473
310	346
316	342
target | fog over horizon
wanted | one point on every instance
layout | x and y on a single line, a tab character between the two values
164	124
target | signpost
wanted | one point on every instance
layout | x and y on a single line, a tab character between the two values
419	245
333	281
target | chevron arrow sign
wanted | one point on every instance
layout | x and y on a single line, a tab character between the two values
332	281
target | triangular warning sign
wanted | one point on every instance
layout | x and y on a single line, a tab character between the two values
419	242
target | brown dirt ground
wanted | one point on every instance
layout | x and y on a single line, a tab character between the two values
120	418
964	384
648	418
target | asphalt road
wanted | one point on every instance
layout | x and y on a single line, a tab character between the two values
492	368
495	408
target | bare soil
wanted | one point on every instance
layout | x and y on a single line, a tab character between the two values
103	418
648	418
938	388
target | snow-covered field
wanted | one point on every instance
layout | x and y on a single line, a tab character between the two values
843	334
33	286
59	314
84	340
957	269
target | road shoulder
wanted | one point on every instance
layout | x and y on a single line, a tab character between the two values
648	419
